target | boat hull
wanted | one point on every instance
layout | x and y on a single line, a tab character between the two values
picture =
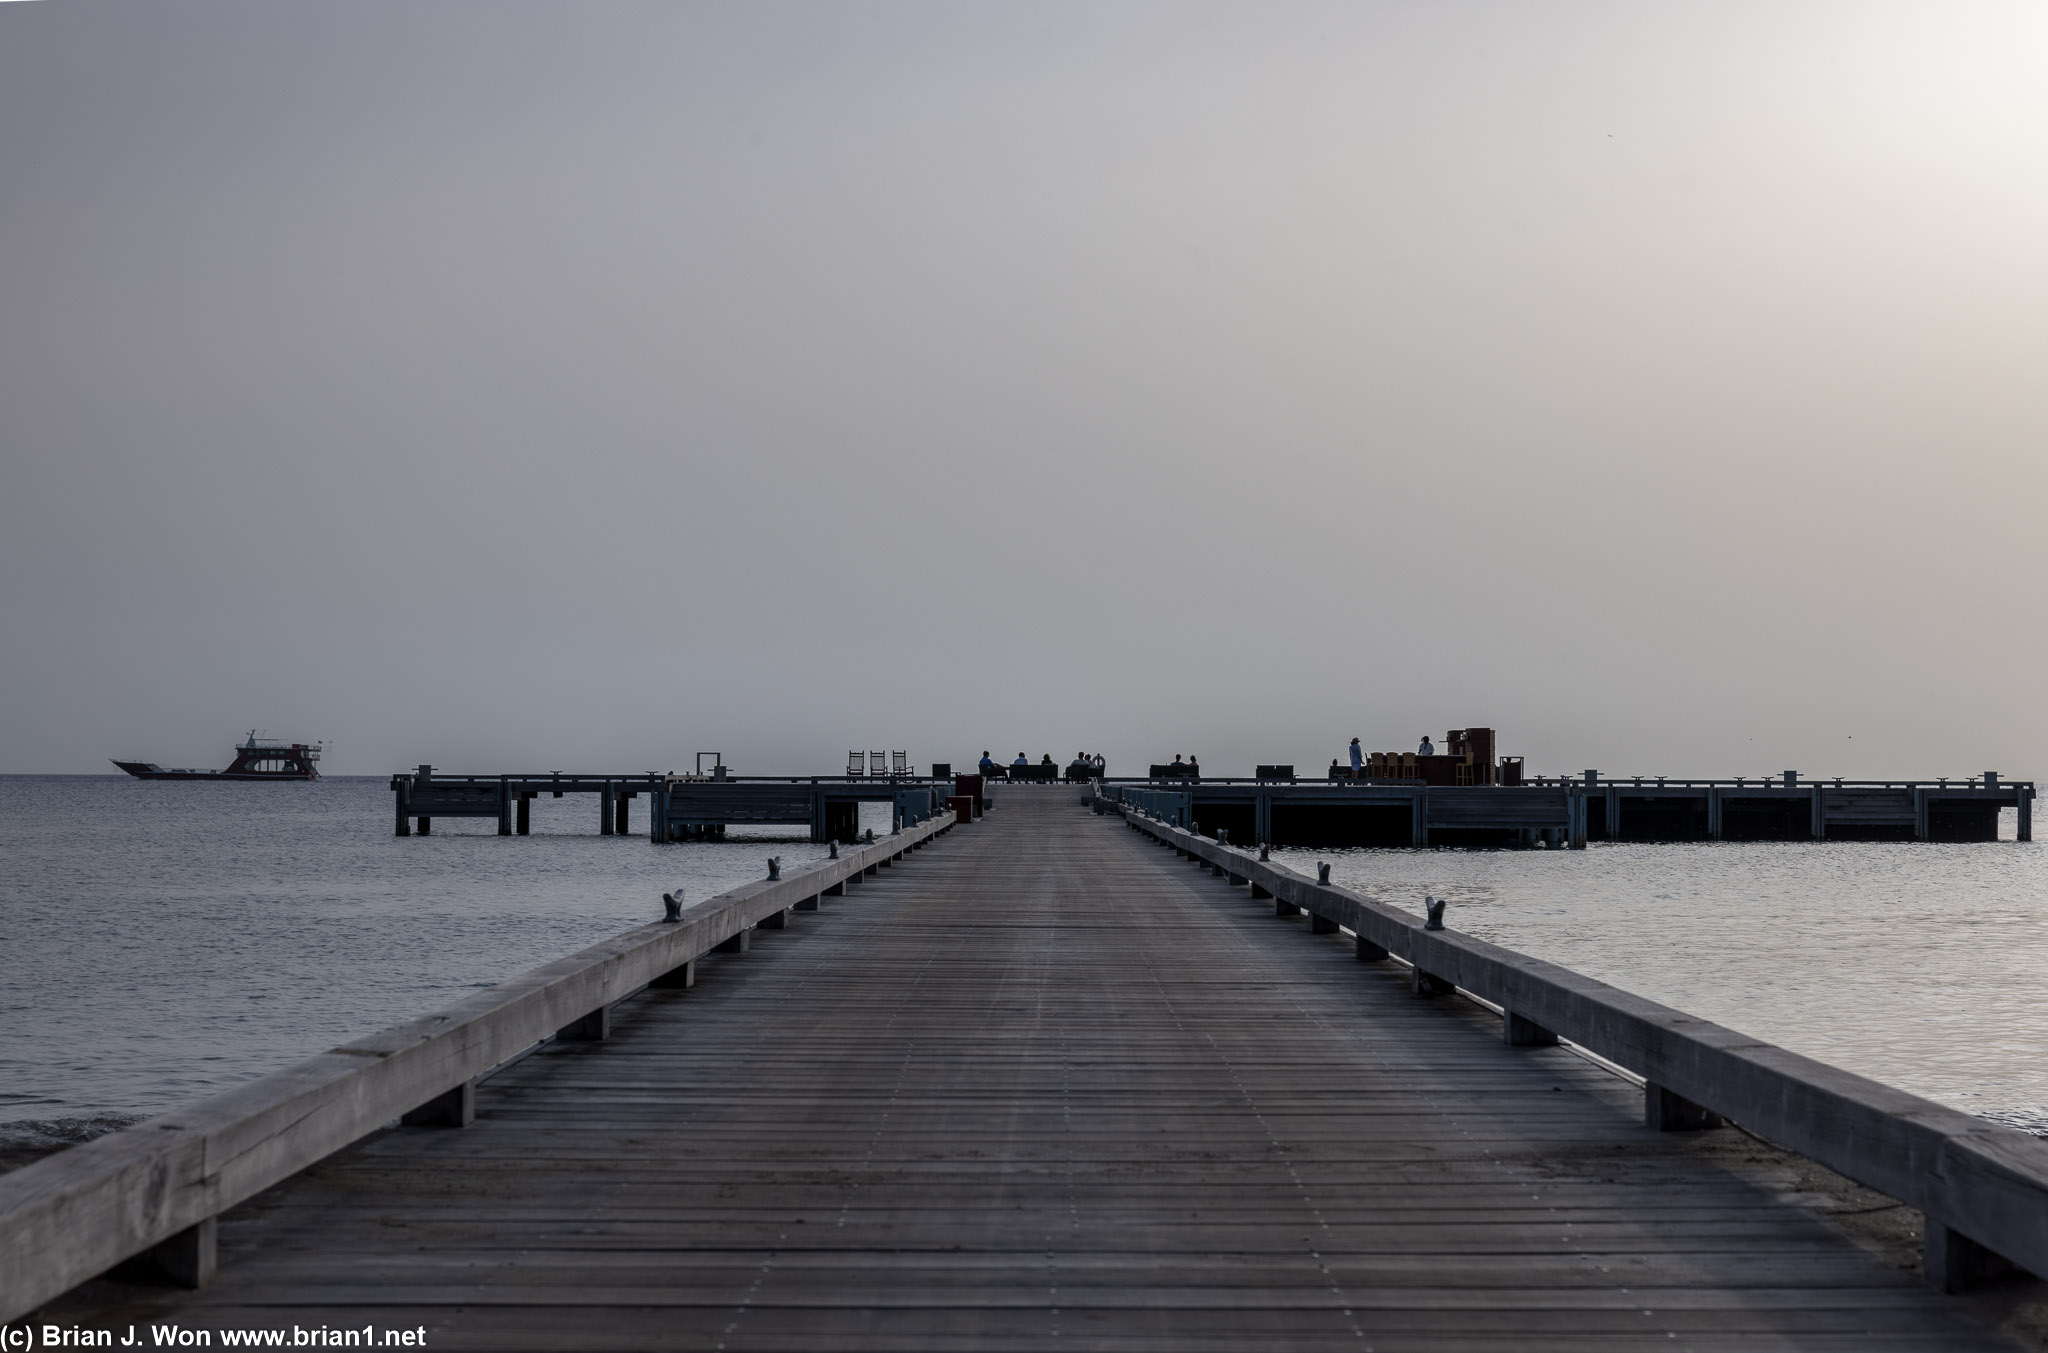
254	760
143	770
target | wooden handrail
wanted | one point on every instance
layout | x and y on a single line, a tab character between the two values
1982	1186
71	1217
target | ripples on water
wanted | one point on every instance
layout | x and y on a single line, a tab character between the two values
163	941
1915	964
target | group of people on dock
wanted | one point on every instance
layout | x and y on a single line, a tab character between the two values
1084	766
1427	748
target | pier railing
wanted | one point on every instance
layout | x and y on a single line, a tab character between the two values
158	1187
1982	1187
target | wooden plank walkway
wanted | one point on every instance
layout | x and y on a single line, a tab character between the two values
1042	1086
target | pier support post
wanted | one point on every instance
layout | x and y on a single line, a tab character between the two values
526	814
191	1257
2026	801
1713	813
1610	824
604	810
1517	1032
1955	1263
1820	813
1920	828
1429	984
1418	823
595	1027
619	826
1576	830
403	798
1664	1111
451	1108
679	978
504	806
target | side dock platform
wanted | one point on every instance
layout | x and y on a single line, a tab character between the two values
1572	812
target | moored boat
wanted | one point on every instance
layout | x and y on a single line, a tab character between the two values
256	759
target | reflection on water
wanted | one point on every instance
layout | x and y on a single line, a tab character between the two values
1918	965
166	940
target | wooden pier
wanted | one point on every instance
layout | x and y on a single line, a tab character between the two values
679	807
1590	808
1059	1078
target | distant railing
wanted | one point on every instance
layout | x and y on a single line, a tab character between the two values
1989	781
1970	783
1983	1187
160	1185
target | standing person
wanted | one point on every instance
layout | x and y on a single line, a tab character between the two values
1427	748
1357	758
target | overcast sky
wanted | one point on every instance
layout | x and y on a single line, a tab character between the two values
581	385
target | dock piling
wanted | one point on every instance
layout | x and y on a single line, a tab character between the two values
595	1027
1518	1032
192	1256
1664	1111
1429	984
679	978
1955	1263
451	1108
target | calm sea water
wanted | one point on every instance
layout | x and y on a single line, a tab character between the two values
162	941
1920	965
